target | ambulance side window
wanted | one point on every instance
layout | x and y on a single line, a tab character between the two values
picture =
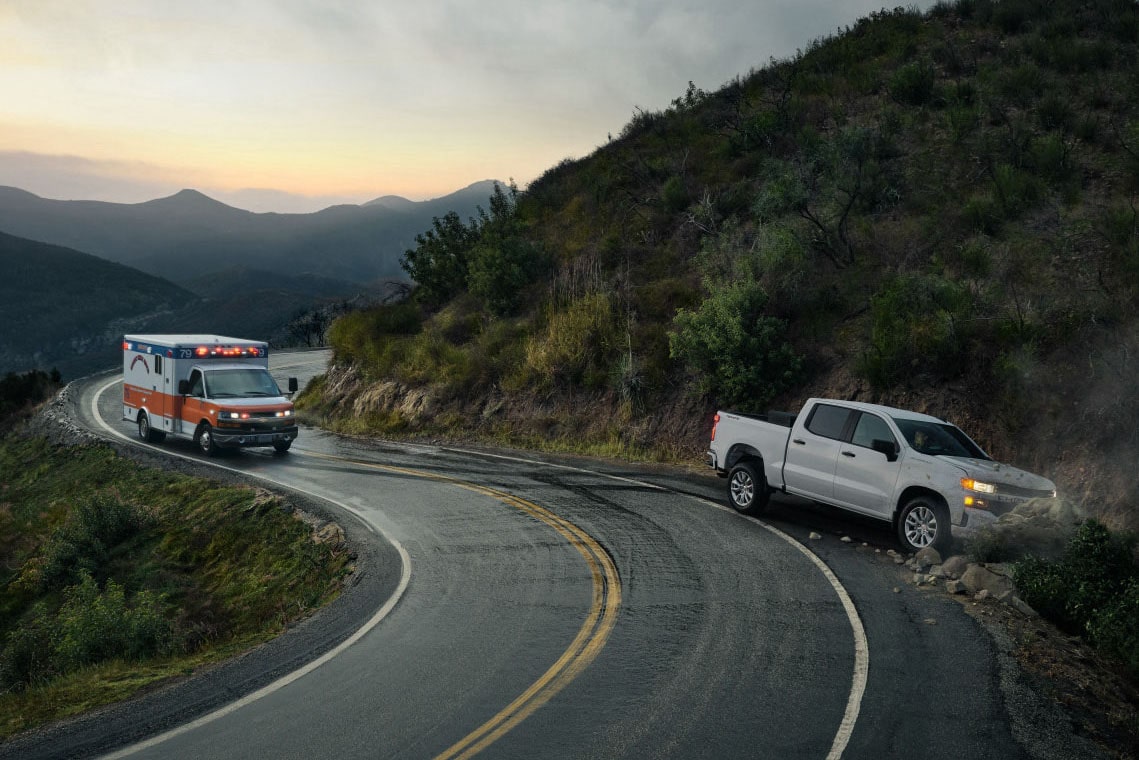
196	384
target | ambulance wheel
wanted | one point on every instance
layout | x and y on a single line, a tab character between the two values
282	446
146	432
204	437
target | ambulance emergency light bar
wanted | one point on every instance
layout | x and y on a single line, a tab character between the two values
201	352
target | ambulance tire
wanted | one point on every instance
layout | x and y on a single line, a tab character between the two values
282	446
146	432
204	437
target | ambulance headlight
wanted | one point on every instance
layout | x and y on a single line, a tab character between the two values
229	416
285	413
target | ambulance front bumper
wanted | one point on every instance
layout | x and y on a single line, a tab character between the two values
227	439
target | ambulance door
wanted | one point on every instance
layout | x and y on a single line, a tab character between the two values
171	401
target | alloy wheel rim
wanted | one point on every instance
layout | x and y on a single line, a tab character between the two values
921	527
743	489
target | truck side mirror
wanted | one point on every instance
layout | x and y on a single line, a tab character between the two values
292	385
183	387
889	448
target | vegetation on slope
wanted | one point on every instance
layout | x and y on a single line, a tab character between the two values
930	210
114	577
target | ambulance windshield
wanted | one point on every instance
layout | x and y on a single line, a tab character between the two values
240	383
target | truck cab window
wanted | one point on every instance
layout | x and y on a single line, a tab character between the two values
869	428
196	388
828	421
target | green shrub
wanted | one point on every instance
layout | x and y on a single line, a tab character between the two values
1055	112
1115	627
91	626
576	345
920	324
354	336
1052	157
913	83
499	273
1096	571
96	625
1015	190
84	544
740	353
674	195
983	214
27	656
431	358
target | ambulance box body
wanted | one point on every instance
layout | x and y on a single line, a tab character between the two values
213	389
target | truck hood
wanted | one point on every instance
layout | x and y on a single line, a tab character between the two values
252	402
999	474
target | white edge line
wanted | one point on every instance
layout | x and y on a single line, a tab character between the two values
861	644
405	578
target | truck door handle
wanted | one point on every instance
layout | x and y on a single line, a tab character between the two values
848	454
799	442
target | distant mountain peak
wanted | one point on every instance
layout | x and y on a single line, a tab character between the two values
394	202
189	199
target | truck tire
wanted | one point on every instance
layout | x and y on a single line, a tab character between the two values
924	522
146	432
747	489
204	437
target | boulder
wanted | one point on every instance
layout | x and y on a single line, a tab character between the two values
976	579
928	557
954	566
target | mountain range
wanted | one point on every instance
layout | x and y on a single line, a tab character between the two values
187	237
76	275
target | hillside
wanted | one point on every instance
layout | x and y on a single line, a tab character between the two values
61	308
353	243
934	211
68	310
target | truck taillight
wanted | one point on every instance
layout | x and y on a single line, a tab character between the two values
715	422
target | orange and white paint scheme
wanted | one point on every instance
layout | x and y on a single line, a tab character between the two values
213	389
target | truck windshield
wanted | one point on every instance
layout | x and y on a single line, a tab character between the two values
240	383
938	439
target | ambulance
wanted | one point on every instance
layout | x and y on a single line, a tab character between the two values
212	389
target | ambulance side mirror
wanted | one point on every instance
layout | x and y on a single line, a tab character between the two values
293	385
183	387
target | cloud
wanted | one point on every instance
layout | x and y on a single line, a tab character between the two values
326	95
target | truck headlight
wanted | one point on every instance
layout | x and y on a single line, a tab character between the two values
976	485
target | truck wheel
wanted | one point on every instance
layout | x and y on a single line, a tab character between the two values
924	521
204	437
146	432
747	489
282	446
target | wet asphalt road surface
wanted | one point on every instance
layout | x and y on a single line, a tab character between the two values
726	640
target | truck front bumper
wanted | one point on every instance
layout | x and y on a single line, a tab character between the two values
236	439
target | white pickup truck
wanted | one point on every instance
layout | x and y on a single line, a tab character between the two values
919	472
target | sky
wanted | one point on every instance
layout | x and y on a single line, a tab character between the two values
294	105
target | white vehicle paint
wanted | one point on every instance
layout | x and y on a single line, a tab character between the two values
919	472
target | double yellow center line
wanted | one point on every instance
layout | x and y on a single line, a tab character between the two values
586	645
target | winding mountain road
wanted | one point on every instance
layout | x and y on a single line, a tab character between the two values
561	609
